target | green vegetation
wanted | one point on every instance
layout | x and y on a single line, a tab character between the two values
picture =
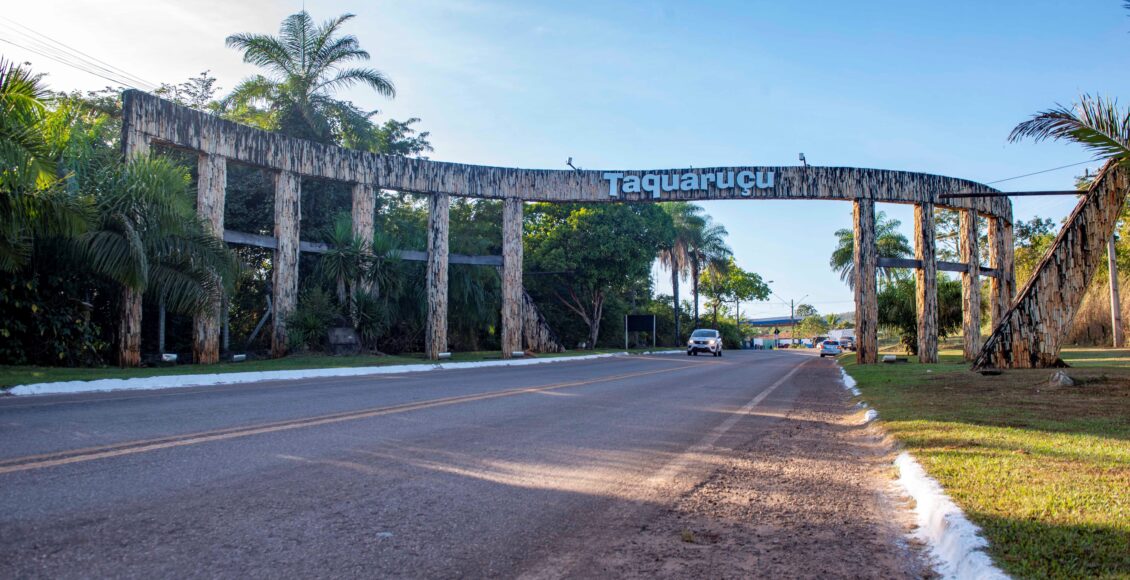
101	260
1045	471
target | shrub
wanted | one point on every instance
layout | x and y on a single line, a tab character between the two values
307	326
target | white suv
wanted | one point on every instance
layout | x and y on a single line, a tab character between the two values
705	340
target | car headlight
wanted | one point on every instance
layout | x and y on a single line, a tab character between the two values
710	342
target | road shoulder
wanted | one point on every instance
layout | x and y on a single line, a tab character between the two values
810	497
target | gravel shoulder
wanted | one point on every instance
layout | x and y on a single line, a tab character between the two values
811	495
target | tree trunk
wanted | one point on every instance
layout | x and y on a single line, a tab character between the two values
129	329
926	282
694	289
594	322
675	293
511	276
435	337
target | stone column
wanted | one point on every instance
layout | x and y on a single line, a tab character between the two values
364	203
435	336
1001	261
926	282
866	258
511	276
211	187
134	144
970	285
288	187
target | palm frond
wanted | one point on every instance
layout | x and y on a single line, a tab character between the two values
1094	122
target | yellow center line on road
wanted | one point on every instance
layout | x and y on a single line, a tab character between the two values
41	461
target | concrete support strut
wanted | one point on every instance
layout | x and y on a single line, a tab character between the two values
970	285
926	282
1033	329
866	257
435	335
211	187
511	276
288	188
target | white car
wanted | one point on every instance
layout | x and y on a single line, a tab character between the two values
830	348
705	340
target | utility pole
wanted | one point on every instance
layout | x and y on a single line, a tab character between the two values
792	320
1115	303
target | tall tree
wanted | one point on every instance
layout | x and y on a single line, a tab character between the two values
688	222
726	282
306	64
593	252
890	242
707	247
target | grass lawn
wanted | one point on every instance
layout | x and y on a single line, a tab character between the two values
11	376
1044	471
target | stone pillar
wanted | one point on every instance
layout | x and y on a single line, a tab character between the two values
511	275
288	187
999	296
866	258
364	204
926	282
134	144
970	285
435	336
211	187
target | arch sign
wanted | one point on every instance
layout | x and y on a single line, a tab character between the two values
149	120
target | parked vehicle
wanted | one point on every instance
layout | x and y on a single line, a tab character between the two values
848	343
830	348
705	340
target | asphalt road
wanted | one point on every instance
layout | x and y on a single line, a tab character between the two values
467	473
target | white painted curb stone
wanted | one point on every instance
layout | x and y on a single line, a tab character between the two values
954	542
176	381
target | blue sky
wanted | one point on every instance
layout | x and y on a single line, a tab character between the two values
932	87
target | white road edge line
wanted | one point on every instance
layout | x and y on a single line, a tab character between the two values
954	542
207	380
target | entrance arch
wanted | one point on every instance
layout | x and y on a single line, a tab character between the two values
151	120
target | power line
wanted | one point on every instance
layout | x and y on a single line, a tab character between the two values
52	47
1039	172
49	48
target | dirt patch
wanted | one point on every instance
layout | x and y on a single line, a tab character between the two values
812	497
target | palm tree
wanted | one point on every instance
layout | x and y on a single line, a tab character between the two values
889	241
306	63
32	203
707	248
150	240
1094	122
676	256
